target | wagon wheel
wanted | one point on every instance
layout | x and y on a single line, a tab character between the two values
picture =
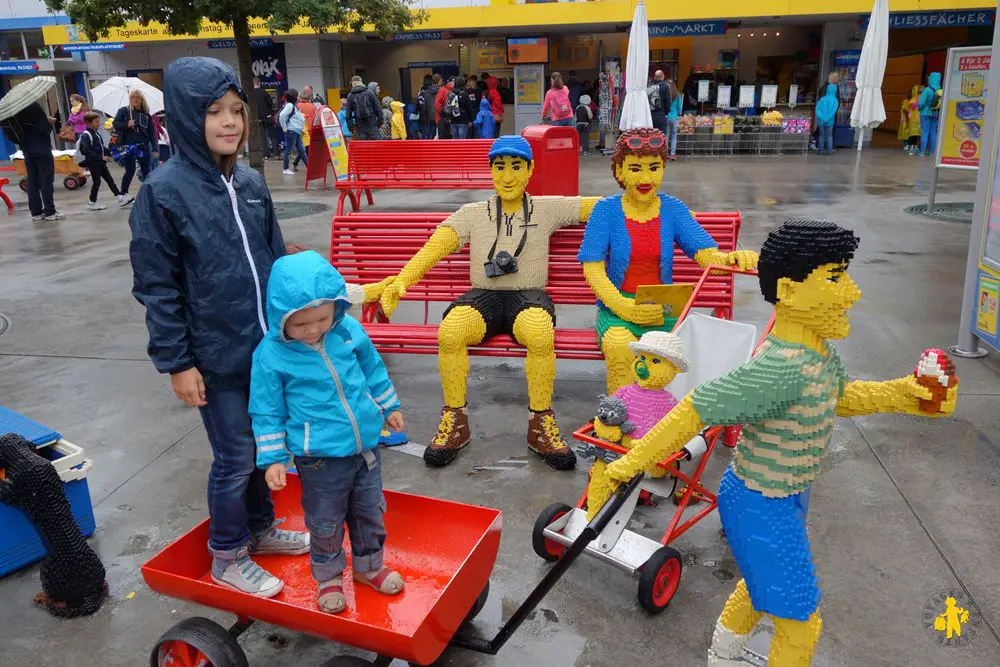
480	602
659	578
83	180
548	549
197	642
71	183
23	184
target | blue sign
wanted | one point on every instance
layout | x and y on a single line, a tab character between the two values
268	64
432	63
231	43
99	46
938	19
846	58
421	36
687	28
18	67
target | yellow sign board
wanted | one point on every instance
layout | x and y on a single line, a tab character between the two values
965	107
988	295
335	142
491	58
157	32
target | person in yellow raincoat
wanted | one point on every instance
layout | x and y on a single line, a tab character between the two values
398	121
909	122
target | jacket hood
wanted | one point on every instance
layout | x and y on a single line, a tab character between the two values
934	81
397	107
585	100
373	86
915	91
484	105
303	280
190	85
831	90
358	87
492	83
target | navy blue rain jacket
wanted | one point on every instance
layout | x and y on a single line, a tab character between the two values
202	245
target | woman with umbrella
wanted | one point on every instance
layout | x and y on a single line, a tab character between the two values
26	124
136	139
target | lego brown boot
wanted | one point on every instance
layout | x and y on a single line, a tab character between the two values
452	435
544	439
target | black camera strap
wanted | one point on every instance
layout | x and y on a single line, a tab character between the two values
524	236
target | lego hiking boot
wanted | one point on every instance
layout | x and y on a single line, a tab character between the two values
544	439
452	435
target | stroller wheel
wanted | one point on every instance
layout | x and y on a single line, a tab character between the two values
546	548
658	582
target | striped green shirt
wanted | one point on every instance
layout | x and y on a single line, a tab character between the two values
786	399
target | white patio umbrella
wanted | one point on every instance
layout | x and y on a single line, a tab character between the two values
21	96
868	110
112	95
635	110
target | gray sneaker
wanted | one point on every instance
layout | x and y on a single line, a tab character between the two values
274	540
247	577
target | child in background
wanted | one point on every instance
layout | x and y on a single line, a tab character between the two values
95	156
584	115
342	117
485	122
826	115
204	237
909	121
398	121
319	391
385	128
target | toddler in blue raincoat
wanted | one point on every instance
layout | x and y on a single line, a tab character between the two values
319	391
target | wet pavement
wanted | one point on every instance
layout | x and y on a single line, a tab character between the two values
904	508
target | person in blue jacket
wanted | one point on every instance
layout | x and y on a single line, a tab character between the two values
826	117
345	127
204	237
673	118
485	123
320	391
929	106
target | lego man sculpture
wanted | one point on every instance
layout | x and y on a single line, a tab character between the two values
629	243
508	238
786	397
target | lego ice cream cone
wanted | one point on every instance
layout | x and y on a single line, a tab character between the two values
935	372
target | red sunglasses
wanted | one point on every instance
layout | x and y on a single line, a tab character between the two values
654	141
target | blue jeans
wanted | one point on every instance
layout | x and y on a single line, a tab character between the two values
428	130
239	502
294	140
335	489
129	163
459	131
825	139
928	133
672	134
564	122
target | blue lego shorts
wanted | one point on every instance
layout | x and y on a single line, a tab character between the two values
768	539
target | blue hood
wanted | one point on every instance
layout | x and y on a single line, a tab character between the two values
303	280
831	90
190	85
934	80
484	105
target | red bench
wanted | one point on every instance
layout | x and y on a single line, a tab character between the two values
414	165
367	247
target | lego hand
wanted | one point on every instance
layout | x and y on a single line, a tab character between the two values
605	432
744	260
643	314
391	294
909	393
395	421
275	476
373	291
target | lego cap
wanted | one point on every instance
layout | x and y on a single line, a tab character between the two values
513	146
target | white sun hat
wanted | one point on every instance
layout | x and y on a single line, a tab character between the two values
663	344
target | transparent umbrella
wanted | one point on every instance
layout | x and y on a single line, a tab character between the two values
635	110
111	95
23	94
868	110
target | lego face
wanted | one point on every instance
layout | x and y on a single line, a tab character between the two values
653	372
641	176
821	301
510	176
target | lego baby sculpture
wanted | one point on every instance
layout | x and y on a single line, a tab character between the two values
629	243
508	237
786	397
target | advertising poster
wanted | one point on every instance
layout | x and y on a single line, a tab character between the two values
963	107
491	58
746	97
723	97
334	142
987	295
768	96
529	84
703	86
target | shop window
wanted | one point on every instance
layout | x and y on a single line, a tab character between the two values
36	45
10	46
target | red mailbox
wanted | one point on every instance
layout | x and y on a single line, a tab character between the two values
557	161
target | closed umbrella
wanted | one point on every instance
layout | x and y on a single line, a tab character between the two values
112	95
635	110
868	110
21	96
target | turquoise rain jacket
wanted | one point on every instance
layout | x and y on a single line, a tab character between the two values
926	100
826	110
328	400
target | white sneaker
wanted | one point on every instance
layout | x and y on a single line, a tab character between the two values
37	218
94	206
277	541
247	577
288	172
126	200
55	216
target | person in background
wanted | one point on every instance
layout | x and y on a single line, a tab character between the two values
412	116
264	113
496	103
363	112
162	137
484	123
78	108
309	96
673	118
456	110
95	158
930	108
832	78
307	107
137	137
469	101
556	105
385	127
31	130
398	130
375	88
826	117
506	90
909	121
292	123
440	99
575	90
660	101
473	83
425	108
584	116
342	117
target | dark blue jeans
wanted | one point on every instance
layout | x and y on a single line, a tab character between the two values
335	489
293	140
459	131
825	144
239	502
428	130
129	164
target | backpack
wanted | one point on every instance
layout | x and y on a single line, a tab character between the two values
362	108
421	103
935	104
655	100
451	106
582	116
78	156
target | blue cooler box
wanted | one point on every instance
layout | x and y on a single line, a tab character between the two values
20	544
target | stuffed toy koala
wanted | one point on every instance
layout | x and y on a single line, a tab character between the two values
612	411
